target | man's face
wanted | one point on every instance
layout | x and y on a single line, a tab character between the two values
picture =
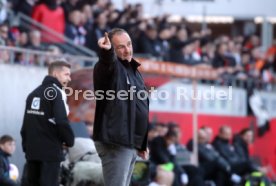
123	46
248	137
8	147
4	32
202	137
227	133
209	133
63	76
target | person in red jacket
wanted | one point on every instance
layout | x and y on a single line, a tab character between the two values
51	15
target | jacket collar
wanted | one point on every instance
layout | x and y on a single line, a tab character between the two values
134	64
50	80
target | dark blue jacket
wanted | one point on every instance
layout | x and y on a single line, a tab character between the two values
4	170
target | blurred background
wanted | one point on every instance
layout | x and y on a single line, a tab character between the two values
193	44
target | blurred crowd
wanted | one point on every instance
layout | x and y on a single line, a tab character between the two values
163	38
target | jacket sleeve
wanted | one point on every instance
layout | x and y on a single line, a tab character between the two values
64	130
104	70
107	56
177	44
106	63
4	180
22	131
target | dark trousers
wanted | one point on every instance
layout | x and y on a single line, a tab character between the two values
43	173
242	168
212	171
194	174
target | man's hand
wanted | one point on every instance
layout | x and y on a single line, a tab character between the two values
104	42
144	154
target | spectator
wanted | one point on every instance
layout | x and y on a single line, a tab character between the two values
74	30
241	143
221	59
191	56
101	5
227	150
161	177
99	28
35	41
45	12
177	43
208	53
23	39
234	50
258	62
162	151
88	13
68	6
183	158
246	61
152	133
7	148
252	42
213	166
272	52
4	56
25	7
3	11
149	43
162	129
4	30
55	51
165	35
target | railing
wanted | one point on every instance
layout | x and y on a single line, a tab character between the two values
14	55
68	45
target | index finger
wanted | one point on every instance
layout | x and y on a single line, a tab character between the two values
106	37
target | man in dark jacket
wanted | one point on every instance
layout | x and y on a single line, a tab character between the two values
163	151
214	166
7	147
45	128
227	150
241	142
121	123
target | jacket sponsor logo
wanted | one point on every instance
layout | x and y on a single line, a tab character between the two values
35	112
35	103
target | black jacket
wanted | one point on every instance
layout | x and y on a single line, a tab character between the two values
120	122
243	152
149	46
223	61
4	170
207	154
159	153
227	151
46	127
241	147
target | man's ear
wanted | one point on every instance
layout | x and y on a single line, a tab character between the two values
54	74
